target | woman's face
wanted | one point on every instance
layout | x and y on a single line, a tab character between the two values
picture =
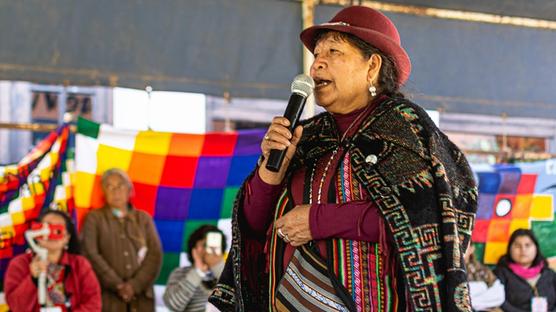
54	245
523	251
342	75
116	191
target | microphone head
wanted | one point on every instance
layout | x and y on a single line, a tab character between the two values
303	85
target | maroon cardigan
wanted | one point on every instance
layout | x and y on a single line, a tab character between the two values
81	284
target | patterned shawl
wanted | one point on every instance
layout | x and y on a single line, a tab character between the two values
423	187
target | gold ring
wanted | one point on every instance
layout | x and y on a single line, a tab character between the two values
266	137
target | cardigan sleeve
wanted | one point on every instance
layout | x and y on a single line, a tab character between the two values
359	221
19	288
260	197
89	288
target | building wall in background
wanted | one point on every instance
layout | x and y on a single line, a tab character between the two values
24	102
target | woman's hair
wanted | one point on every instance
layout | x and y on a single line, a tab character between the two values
200	234
73	244
118	172
507	258
388	75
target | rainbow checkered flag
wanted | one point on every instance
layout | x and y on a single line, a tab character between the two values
511	197
41	180
182	180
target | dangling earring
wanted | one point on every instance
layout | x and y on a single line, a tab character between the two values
372	89
66	247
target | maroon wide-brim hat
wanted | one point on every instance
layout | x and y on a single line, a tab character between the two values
370	26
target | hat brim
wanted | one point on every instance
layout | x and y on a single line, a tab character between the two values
375	38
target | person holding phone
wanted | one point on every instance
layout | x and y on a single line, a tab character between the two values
71	284
189	287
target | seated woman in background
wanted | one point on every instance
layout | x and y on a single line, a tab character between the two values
485	290
529	283
71	282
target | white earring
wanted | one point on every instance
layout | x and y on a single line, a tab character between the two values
372	89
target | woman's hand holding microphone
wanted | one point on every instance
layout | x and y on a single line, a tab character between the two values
293	227
279	137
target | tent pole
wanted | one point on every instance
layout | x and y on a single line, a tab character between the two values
308	12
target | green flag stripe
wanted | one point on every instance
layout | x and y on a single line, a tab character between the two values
88	127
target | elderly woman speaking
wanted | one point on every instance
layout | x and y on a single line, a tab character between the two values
373	207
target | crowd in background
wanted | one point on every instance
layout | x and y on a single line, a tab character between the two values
113	264
118	258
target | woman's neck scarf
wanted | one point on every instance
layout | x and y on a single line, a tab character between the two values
526	273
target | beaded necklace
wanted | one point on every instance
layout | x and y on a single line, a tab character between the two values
334	152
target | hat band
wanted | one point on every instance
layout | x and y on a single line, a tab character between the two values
335	24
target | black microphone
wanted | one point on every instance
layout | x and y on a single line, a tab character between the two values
302	87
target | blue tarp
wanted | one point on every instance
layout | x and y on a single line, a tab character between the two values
250	48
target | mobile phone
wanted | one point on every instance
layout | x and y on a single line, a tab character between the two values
214	243
56	231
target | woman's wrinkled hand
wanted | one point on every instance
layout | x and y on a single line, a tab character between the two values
279	137
294	227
